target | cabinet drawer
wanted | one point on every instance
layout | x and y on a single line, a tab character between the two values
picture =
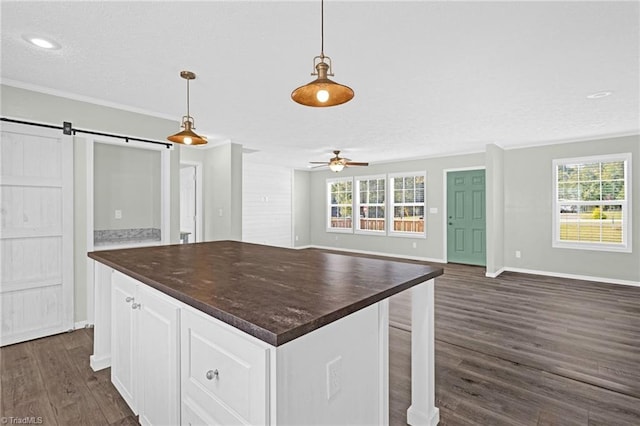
224	372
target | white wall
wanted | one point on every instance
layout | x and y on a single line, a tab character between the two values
126	179
528	184
223	200
495	209
301	208
267	204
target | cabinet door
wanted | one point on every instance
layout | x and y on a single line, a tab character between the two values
224	374
158	384
123	337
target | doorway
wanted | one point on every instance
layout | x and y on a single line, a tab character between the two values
466	217
190	202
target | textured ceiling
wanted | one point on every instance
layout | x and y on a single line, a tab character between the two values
431	78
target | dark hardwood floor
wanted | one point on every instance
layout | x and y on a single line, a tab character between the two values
516	350
530	350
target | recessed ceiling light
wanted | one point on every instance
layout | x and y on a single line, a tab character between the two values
599	95
42	42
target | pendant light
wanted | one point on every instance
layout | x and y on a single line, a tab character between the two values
187	136
322	92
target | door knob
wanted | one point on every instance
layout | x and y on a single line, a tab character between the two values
211	374
129	299
135	305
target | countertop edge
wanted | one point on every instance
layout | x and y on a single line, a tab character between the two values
348	310
245	326
260	333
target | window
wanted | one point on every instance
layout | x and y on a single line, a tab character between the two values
340	205
592	203
407	204
371	204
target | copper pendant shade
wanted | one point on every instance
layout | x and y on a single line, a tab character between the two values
322	92
187	136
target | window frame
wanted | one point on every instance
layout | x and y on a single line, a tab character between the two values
626	205
392	204
328	216
358	203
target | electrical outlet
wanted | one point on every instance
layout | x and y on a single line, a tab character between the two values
334	377
118	214
518	254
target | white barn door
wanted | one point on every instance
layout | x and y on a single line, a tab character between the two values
36	233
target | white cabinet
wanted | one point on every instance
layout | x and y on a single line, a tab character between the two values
123	337
145	350
224	373
175	365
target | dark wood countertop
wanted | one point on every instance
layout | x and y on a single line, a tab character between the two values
274	294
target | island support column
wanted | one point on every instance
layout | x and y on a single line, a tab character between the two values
423	410
101	357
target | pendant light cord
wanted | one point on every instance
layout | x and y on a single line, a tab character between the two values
322	29
188	116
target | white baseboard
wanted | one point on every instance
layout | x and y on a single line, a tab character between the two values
377	253
302	247
494	274
98	364
81	324
415	417
572	276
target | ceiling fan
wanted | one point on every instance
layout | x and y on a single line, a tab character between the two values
338	163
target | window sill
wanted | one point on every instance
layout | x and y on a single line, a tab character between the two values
618	248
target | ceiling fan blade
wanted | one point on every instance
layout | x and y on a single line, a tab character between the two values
317	167
355	163
319	162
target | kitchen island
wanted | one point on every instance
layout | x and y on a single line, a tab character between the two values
236	333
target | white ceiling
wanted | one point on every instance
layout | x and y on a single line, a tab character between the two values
430	78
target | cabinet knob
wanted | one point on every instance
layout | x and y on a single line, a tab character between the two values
211	374
129	299
135	305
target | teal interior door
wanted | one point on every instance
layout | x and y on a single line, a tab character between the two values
466	223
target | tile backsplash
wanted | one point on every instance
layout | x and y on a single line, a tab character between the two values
133	235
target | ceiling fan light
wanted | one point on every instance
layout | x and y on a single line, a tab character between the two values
336	166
